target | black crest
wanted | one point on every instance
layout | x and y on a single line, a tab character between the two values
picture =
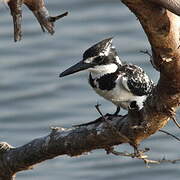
98	48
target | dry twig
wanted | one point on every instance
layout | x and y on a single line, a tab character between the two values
39	10
169	134
141	156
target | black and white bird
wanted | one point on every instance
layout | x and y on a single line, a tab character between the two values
125	85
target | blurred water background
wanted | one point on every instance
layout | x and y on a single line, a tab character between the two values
33	98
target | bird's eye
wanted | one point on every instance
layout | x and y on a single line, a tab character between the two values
99	59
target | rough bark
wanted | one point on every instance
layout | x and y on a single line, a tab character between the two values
162	31
61	141
39	10
171	5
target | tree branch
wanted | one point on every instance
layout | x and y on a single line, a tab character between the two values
39	10
162	31
61	141
72	142
143	157
16	12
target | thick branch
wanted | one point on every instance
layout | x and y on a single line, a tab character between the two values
162	31
171	5
60	141
103	133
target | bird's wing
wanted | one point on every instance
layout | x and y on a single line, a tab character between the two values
135	80
171	5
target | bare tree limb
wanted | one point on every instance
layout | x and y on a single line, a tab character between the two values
16	12
39	10
143	157
41	13
162	31
60	141
71	142
171	5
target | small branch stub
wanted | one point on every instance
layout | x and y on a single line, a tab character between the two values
4	147
39	10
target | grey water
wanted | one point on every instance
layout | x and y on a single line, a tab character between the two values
33	98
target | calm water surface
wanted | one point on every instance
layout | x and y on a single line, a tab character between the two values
33	98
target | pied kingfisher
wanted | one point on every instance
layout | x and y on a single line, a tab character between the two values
125	85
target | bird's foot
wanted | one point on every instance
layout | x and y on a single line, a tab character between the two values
133	106
116	113
89	123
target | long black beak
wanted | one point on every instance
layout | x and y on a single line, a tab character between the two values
76	68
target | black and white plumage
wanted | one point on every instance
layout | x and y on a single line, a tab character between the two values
122	84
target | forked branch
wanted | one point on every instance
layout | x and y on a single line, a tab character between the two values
39	10
72	142
162	31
